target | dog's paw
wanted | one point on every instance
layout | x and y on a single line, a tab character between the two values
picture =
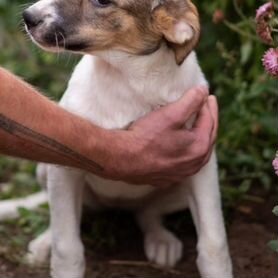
39	250
163	248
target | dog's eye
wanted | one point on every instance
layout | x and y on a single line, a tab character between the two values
102	3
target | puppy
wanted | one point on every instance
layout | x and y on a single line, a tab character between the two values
138	56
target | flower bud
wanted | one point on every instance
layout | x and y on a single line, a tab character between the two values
218	16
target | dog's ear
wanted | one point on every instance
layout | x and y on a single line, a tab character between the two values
178	22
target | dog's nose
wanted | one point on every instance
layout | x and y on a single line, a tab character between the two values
30	19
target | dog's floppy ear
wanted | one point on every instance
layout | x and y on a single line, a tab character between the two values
178	22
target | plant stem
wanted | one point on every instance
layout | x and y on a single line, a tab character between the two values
239	31
238	10
241	14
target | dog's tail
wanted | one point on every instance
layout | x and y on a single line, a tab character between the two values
9	208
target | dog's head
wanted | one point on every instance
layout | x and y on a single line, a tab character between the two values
134	26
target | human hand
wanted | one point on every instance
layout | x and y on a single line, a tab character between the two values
158	150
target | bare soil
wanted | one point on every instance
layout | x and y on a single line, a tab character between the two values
250	228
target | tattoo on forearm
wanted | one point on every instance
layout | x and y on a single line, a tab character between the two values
23	132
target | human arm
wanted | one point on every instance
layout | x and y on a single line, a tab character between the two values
156	149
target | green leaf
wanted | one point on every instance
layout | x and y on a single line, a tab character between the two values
275	211
246	50
273	245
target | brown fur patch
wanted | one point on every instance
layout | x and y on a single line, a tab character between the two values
167	15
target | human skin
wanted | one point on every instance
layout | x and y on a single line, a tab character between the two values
156	149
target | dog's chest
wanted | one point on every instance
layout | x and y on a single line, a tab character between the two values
113	102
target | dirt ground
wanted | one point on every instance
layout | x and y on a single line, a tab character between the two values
250	227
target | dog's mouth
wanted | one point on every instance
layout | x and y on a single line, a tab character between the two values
55	40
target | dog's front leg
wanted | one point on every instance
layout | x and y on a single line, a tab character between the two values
205	204
65	196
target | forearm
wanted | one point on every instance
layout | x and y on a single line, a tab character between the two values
35	128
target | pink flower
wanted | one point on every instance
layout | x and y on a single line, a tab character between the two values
270	61
275	164
264	14
264	11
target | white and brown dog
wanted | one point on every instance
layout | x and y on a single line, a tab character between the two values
138	56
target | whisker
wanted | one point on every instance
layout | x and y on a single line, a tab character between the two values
64	40
26	5
57	45
69	59
21	8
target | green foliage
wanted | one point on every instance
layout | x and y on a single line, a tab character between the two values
248	98
46	71
16	178
275	211
15	235
273	244
33	222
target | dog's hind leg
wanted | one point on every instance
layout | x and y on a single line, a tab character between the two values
39	249
9	208
205	204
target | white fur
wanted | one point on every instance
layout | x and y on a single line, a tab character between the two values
112	90
47	9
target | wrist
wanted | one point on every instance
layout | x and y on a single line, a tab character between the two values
116	150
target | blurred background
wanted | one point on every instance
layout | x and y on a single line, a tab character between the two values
230	55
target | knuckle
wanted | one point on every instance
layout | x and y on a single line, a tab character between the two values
199	95
169	118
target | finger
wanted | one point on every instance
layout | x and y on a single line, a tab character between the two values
202	131
204	123
213	126
183	139
207	157
180	111
213	107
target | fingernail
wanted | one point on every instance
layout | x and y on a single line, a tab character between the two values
212	98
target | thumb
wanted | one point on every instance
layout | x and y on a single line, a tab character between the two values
191	103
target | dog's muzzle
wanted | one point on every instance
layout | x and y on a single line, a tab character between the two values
44	28
50	31
31	20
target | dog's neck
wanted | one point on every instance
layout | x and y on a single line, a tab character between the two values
141	66
152	76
